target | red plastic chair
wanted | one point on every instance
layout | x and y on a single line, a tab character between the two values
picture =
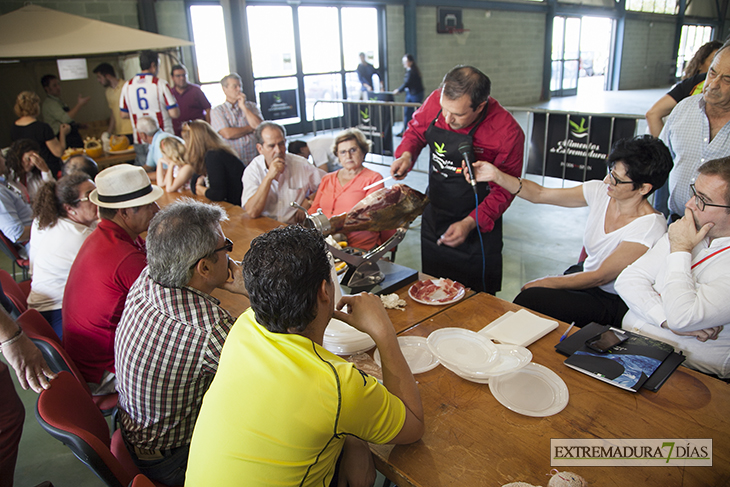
67	413
59	361
16	292
9	249
142	481
35	325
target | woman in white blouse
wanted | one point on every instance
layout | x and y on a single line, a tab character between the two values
622	226
64	217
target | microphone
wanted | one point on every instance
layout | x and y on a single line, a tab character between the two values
465	149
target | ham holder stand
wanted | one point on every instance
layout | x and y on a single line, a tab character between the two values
367	272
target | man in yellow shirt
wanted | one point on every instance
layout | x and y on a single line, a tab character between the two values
282	410
106	76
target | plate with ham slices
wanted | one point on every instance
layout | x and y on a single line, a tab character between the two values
436	292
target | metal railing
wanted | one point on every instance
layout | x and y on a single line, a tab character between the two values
381	114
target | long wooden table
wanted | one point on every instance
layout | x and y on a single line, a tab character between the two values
472	440
242	229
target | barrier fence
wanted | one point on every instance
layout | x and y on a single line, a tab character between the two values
560	144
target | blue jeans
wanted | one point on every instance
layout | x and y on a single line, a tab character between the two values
54	318
408	111
170	470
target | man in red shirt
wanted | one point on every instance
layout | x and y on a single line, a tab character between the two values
108	263
461	116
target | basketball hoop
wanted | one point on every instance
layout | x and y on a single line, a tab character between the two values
461	35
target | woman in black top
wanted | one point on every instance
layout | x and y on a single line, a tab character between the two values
413	86
211	157
27	108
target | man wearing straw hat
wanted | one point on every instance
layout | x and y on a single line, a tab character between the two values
107	265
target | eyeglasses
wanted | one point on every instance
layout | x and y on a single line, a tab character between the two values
616	181
80	200
227	246
700	201
352	152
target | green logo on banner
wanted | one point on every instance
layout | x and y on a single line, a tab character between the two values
581	130
439	148
277	98
365	114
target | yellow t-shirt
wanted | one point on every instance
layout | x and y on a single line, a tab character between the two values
278	411
121	125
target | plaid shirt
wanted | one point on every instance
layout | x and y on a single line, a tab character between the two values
167	349
230	115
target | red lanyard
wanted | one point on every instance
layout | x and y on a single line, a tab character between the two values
709	256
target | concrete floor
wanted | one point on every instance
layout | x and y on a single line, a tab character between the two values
538	240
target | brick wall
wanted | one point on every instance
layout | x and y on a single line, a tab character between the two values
647	57
506	46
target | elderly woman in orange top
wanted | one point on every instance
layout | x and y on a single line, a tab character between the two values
341	190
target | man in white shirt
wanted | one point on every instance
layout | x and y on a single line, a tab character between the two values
146	95
678	291
275	178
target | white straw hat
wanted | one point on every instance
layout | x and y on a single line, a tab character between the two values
124	186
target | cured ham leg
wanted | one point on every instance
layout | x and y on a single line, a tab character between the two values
385	209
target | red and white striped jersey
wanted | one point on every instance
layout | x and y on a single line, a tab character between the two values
146	95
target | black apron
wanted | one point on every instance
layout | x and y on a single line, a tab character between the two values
452	199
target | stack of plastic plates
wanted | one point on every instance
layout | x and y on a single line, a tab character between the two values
342	339
416	352
474	357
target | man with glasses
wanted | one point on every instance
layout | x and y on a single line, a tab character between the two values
697	131
275	178
678	291
171	334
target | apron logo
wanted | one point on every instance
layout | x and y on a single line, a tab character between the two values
439	148
581	130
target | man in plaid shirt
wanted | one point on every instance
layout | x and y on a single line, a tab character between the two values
171	334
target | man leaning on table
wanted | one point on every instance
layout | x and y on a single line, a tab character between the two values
678	291
275	178
170	337
282	410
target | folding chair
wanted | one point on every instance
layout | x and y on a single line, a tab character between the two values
59	361
35	325
16	292
9	249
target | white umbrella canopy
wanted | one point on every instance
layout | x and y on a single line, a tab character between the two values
38	32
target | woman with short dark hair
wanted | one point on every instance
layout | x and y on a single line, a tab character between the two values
622	225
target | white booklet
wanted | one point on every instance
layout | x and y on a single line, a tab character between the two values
521	328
